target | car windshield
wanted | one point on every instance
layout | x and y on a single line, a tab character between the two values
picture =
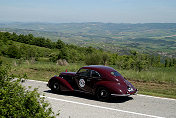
115	73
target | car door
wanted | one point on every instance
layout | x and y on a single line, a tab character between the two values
86	79
82	79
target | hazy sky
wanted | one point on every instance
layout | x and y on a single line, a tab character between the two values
61	11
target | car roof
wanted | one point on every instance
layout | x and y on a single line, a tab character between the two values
99	68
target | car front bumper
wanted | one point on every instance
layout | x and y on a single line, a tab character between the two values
125	94
120	94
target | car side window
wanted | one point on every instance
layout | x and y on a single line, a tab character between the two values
95	74
84	72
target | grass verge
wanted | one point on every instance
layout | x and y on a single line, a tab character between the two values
156	89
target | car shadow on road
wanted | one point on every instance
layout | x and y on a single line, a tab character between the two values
91	97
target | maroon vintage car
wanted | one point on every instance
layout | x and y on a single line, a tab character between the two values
101	81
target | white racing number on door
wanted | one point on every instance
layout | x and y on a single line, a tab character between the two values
81	82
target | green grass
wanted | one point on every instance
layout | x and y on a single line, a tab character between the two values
43	70
156	81
156	75
52	67
156	89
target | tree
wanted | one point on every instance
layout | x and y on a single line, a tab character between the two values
60	44
29	39
170	63
14	37
166	63
63	54
105	58
134	53
21	38
90	50
174	62
113	59
53	57
13	52
49	44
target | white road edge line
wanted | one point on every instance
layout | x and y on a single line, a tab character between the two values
107	108
156	97
137	94
36	81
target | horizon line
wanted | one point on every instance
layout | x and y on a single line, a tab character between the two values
85	22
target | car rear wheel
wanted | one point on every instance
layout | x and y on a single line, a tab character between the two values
55	86
102	94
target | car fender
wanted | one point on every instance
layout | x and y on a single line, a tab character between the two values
65	86
113	87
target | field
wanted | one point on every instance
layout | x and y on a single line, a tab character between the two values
156	81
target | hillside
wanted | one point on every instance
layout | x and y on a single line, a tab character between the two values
150	38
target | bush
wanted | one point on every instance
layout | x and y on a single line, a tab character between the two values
64	54
13	52
16	101
53	57
93	59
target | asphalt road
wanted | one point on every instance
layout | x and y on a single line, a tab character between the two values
78	105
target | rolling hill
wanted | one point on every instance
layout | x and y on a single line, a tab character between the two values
150	38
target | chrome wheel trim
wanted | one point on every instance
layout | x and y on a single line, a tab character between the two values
103	93
56	86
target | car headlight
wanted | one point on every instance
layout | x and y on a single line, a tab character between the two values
130	89
117	80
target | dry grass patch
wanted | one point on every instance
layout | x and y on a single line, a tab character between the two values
156	89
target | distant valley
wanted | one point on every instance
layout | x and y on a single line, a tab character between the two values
150	38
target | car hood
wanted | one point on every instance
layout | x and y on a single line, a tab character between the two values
68	73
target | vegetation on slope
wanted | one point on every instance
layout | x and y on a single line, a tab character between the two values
60	50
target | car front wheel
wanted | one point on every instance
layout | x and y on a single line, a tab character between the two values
102	94
55	86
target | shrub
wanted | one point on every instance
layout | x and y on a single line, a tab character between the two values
13	52
53	57
64	54
93	59
16	101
